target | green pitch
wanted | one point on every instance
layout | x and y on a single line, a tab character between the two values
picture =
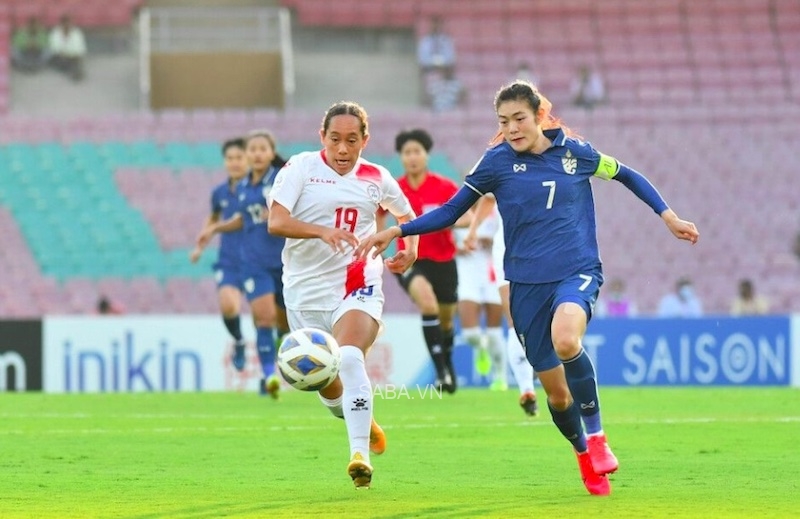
683	452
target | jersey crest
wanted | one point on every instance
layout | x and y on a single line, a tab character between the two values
570	163
374	193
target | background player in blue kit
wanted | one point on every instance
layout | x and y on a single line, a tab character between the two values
224	204
261	265
540	178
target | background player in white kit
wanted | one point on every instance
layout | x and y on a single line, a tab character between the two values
478	296
323	202
523	371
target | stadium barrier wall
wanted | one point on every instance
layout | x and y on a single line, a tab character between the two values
192	353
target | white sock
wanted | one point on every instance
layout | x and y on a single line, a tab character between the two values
497	349
474	337
356	400
523	371
334	406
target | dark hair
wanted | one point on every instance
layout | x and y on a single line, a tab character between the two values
519	90
346	108
236	142
278	161
417	134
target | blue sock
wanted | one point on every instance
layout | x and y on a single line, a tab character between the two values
265	343
568	422
582	383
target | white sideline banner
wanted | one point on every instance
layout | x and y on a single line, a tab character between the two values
189	353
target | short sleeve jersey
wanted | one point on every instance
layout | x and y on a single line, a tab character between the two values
315	277
546	204
260	249
434	191
225	203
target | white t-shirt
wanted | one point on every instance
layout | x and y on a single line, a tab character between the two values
314	277
70	44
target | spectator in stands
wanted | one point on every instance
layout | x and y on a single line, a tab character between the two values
588	88
106	307
435	50
747	302
524	73
445	91
796	246
615	303
681	303
29	52
68	49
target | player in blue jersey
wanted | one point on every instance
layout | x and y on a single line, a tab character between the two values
224	204
540	175
261	266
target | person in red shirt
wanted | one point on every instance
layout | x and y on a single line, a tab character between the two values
432	282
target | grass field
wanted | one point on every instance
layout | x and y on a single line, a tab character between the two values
683	453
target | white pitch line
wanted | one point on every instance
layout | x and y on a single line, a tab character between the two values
401	426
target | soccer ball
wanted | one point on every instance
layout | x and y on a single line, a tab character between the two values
309	359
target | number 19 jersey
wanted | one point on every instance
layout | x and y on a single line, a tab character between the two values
315	277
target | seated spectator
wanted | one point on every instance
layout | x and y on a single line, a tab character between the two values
106	307
588	89
524	73
435	50
796	246
445	91
29	51
68	48
681	303
614	302
747	302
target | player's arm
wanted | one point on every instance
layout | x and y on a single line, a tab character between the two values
198	249
282	223
483	209
609	168
234	223
436	220
465	220
403	259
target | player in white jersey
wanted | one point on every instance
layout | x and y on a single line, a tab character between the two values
523	371
478	295
323	203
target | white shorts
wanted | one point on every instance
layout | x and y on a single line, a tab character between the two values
368	300
476	280
498	251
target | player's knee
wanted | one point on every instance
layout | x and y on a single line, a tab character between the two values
566	343
560	399
264	319
427	303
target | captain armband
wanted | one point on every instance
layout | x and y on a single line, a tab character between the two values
607	167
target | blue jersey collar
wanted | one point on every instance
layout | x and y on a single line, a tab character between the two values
556	136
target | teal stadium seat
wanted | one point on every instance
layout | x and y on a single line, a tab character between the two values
78	223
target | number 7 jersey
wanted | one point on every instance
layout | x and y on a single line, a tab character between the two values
314	276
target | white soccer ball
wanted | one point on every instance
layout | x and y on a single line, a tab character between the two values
309	359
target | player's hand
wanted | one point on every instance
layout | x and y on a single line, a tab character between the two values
339	239
195	254
400	262
471	242
682	229
379	241
204	237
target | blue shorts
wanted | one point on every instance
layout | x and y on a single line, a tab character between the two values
533	306
259	283
228	275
